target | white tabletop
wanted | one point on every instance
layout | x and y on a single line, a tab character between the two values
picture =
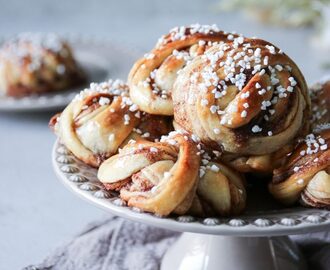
36	212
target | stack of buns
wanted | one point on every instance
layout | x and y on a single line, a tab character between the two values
199	112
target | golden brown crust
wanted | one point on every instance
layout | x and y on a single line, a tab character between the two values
305	173
152	77
261	164
175	176
220	192
243	95
102	119
163	175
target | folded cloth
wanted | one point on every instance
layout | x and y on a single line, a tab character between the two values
112	243
118	244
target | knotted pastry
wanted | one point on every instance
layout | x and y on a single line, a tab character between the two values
320	96
167	177
152	77
305	176
262	165
35	63
220	192
156	177
103	118
243	96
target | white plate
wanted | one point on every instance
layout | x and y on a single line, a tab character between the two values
100	59
263	216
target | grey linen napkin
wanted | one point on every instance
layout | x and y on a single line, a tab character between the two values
118	244
112	243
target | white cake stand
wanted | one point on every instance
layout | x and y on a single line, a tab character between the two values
256	240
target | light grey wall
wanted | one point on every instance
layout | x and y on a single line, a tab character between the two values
140	22
107	17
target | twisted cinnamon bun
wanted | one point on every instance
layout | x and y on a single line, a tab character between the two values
220	192
320	97
305	176
155	177
244	96
152	77
103	118
35	63
173	176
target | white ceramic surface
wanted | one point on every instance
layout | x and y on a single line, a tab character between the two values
267	220
215	242
210	252
101	59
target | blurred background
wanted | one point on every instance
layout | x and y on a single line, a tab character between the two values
292	25
36	212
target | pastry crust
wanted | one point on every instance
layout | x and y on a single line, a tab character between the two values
220	192
243	96
36	63
305	175
102	119
152	77
163	175
240	105
174	176
259	164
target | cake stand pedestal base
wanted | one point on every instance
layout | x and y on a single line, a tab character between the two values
202	251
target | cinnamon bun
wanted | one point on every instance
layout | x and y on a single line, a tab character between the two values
152	77
305	176
243	96
103	118
35	63
155	177
174	176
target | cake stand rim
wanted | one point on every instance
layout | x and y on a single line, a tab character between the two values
240	226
